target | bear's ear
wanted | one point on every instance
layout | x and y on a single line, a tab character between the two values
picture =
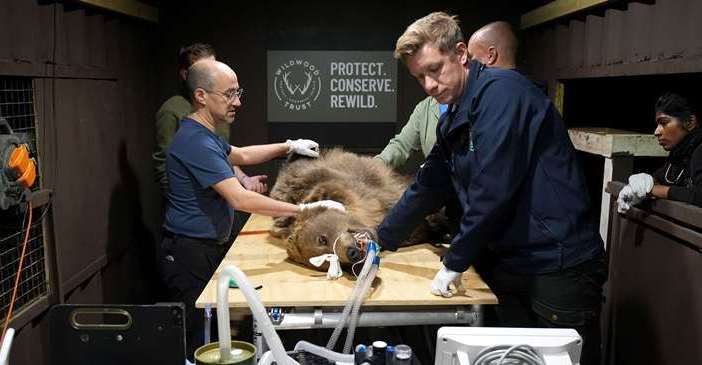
327	191
281	230
291	246
281	226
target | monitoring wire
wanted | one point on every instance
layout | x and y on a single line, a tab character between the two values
509	355
357	237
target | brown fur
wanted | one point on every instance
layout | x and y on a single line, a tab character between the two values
366	187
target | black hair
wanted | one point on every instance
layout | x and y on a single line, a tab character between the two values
676	106
189	54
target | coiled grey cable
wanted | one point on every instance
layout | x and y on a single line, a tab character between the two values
509	355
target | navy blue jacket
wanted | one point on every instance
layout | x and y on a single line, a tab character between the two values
506	152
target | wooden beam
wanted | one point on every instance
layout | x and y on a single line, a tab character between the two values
133	8
557	9
687	214
559	96
610	142
29	312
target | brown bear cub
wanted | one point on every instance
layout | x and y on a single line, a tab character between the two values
366	187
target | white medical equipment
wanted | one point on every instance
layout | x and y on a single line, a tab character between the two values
486	345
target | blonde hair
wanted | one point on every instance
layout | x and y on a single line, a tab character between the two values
438	28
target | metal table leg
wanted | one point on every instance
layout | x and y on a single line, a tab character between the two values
259	341
208	323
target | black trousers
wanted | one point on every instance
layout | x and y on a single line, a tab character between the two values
186	265
238	223
570	298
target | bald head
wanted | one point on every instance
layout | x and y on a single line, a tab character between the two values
204	74
214	91
494	45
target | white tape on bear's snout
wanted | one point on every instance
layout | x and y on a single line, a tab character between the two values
334	271
317	261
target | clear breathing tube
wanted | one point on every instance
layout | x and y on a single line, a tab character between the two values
355	312
258	311
360	290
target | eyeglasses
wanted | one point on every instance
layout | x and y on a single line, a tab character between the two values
238	93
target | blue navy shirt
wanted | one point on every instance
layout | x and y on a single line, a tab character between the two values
443	108
197	159
507	154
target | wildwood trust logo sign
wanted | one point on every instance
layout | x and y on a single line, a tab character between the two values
297	84
331	86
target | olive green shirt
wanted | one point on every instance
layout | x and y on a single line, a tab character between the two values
419	132
167	117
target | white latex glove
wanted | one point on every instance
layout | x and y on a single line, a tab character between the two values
442	281
634	193
641	184
305	147
329	204
626	195
627	198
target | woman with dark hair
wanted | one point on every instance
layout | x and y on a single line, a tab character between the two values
680	178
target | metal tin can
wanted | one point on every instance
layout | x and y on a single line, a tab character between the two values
209	354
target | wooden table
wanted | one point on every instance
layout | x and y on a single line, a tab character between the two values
402	284
404	275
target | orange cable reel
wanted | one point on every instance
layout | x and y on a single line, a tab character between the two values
24	167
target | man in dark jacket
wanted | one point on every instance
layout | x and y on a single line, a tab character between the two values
504	149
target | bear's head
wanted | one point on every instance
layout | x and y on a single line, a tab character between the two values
322	231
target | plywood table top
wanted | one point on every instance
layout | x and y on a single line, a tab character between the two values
403	279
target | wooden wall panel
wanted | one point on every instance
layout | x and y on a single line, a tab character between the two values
613	41
576	45
550	48
87	149
674	19
95	99
562	47
26	35
633	38
693	29
593	41
638	25
651	315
